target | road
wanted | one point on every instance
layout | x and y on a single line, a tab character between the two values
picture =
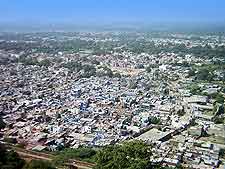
29	155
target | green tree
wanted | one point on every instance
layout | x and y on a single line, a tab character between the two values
117	75
89	70
191	72
204	74
195	89
130	155
132	84
73	66
220	98
148	69
221	153
2	123
106	71
10	140
218	119
83	154
154	120
45	62
28	60
10	159
181	112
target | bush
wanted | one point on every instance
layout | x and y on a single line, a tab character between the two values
10	140
21	145
38	164
83	154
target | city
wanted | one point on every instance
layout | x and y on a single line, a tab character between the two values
106	91
112	84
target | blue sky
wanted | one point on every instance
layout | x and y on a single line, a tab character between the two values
111	11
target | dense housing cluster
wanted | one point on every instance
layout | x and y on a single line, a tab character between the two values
60	90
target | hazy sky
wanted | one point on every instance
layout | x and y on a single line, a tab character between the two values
111	11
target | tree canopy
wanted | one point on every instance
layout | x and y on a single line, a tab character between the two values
2	123
130	155
83	153
10	159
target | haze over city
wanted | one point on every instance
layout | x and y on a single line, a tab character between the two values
92	13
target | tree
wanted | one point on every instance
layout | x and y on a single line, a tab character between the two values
73	66
221	153
89	70
2	123
166	91
220	98
11	140
218	119
95	62
10	159
140	66
38	164
218	109
191	72
117	75
130	155
195	89
83	153
154	120
204	74
45	62
181	112
105	71
28	60
148	69
132	85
